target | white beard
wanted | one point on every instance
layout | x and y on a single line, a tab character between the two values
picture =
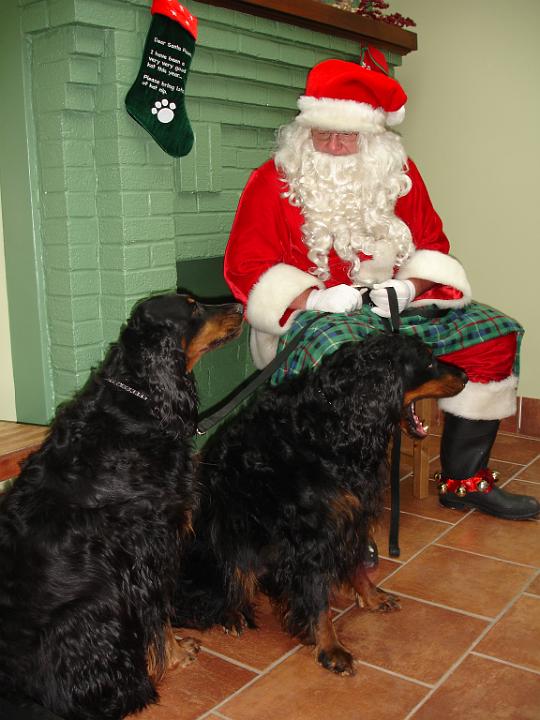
348	201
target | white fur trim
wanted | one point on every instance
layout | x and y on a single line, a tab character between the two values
263	347
440	268
484	401
379	268
341	115
273	293
396	117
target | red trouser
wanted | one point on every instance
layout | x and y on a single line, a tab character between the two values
489	361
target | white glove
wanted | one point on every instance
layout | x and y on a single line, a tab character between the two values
340	298
405	292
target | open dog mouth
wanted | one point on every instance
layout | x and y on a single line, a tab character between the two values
446	385
412	424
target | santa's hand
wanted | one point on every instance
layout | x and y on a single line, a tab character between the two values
340	298
405	292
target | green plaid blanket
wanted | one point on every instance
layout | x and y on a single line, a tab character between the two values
451	330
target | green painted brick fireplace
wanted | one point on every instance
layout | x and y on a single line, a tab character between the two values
96	215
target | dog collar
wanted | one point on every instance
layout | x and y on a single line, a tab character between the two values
128	389
321	392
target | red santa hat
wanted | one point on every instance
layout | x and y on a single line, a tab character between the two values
352	97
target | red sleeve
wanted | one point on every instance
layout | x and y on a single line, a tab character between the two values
258	232
416	210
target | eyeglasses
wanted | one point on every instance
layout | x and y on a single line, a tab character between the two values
344	137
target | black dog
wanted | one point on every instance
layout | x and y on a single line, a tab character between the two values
292	486
91	532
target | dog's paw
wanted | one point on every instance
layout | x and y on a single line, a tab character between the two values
187	649
388	603
337	659
235	623
379	601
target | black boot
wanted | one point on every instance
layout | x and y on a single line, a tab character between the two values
465	480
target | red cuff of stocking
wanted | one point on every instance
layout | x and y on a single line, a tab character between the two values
173	10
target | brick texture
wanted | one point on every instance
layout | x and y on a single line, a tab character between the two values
117	214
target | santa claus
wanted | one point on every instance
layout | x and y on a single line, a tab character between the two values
338	215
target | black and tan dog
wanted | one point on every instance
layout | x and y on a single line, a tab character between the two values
92	530
292	485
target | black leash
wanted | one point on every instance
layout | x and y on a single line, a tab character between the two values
215	414
393	540
218	412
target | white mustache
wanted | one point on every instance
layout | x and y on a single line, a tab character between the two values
334	168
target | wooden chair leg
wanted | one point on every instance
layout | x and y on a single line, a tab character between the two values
421	455
420	471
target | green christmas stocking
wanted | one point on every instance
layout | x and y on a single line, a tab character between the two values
156	98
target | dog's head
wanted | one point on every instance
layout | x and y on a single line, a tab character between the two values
161	342
195	326
423	376
379	379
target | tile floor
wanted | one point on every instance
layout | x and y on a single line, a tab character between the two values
466	643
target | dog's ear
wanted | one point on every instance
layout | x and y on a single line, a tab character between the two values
366	385
172	390
151	351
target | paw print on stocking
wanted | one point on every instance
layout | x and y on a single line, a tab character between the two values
163	113
164	110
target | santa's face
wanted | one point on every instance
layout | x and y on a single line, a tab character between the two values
334	143
346	186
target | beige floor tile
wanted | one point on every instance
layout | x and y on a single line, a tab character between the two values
426	507
461	580
532	472
534	587
414	534
514	449
344	598
299	689
516	636
517	541
523	487
186	694
420	641
259	648
256	648
481	689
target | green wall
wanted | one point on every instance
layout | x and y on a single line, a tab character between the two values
472	126
20	210
104	215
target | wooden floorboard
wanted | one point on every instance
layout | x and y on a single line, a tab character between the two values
17	441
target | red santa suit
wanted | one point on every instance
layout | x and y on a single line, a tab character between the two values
267	267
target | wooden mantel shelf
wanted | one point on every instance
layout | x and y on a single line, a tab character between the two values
315	15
